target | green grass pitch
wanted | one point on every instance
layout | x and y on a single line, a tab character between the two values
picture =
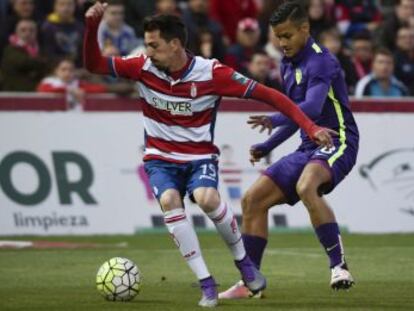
296	267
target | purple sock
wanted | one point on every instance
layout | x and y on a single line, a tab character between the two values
330	238
255	247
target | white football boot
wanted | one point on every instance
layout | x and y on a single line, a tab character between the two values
341	278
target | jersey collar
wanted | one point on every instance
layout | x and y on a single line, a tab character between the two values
185	71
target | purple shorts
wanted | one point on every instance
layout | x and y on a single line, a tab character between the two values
286	172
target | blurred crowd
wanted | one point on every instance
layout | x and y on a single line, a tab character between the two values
41	41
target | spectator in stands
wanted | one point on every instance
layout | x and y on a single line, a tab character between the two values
166	7
403	12
43	8
260	68
113	31
64	81
199	23
61	32
331	39
4	7
239	54
355	15
381	81
330	9
318	18
404	57
272	48
229	13
266	11
203	44
136	11
22	67
411	21
362	53
20	9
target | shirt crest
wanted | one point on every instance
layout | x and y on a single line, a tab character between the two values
298	75
193	91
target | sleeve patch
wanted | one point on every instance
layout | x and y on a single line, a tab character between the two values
240	78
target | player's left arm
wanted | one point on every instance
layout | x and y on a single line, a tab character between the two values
312	105
320	77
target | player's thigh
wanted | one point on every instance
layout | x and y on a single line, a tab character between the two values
262	195
286	172
328	167
203	183
315	176
167	180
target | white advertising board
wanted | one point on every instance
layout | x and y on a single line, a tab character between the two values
81	173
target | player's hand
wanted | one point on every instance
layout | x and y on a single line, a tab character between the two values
263	121
323	136
257	152
95	12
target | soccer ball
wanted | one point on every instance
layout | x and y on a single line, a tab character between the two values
118	279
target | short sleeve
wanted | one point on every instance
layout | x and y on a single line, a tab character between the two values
127	67
228	82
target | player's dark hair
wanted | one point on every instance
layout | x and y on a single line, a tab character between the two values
294	11
170	27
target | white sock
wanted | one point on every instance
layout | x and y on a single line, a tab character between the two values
186	240
226	225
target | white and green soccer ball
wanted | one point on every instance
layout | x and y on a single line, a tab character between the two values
119	279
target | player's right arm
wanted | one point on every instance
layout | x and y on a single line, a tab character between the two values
129	68
228	82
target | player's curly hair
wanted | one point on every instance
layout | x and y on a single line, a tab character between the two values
294	11
170	27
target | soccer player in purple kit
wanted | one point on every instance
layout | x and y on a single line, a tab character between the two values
313	78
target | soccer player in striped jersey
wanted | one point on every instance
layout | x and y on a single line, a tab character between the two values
313	78
180	94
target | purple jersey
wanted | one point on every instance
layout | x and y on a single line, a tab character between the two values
314	80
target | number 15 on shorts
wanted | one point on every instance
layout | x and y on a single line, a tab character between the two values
209	171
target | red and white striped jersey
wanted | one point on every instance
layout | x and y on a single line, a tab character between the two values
179	115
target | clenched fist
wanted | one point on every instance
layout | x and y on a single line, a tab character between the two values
95	12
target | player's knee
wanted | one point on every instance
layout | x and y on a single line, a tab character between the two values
305	190
170	201
250	204
208	201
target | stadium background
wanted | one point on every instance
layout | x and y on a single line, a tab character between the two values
68	158
70	164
